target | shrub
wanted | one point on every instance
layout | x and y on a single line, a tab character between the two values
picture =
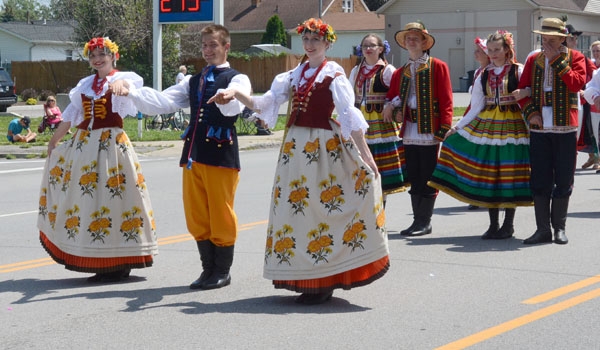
31	101
29	93
45	94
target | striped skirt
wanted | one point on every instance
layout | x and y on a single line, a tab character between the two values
487	162
387	150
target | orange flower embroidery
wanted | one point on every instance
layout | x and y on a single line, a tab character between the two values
319	246
354	235
311	149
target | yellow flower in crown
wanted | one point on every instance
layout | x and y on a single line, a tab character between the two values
317	26
101	43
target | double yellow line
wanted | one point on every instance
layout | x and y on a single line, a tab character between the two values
31	264
533	316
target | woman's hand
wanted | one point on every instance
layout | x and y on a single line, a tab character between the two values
520	93
451	131
388	113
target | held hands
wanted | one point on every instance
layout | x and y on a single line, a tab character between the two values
119	87
451	131
223	97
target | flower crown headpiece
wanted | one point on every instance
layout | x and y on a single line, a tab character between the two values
509	41
317	26
386	49
101	43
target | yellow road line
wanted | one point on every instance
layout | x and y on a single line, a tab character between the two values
26	265
30	264
521	321
563	290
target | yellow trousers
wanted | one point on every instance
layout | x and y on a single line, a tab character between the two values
208	195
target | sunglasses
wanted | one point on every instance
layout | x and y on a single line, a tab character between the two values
51	100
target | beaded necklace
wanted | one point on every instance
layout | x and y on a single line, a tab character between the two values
97	84
303	89
365	74
496	79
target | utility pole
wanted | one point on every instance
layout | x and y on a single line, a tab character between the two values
320	8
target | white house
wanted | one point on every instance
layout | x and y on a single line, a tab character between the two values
37	41
455	24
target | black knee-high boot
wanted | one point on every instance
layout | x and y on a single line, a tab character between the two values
222	264
507	230
493	229
543	234
207	256
424	214
415	200
558	212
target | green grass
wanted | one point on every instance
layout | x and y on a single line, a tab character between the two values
131	125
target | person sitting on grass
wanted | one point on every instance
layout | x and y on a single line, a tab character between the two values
15	130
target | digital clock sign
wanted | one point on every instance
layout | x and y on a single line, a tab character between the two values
178	11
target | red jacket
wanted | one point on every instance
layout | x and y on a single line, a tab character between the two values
570	77
434	96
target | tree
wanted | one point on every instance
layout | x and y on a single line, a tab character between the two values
275	32
129	24
22	11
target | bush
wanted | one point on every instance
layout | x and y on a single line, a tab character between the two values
31	101
29	93
45	94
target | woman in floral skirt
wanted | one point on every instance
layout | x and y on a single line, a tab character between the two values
326	220
95	213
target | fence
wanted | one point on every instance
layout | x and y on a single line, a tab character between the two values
56	76
61	76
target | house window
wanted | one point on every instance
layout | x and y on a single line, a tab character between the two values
69	54
347	6
583	44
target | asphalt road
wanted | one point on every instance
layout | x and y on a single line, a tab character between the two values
448	290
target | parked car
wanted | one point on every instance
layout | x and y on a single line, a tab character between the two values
8	97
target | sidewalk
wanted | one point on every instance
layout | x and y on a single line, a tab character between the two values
151	148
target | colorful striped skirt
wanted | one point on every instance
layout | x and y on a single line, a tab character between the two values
388	151
487	162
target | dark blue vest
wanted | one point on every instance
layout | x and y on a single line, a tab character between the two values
211	138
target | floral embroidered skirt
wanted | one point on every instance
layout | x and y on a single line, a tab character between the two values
487	163
387	150
95	213
326	221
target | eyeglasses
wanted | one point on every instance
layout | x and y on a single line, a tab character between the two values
371	47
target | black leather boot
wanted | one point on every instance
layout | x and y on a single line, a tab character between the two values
415	200
559	219
424	214
207	256
220	276
491	231
543	234
507	230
